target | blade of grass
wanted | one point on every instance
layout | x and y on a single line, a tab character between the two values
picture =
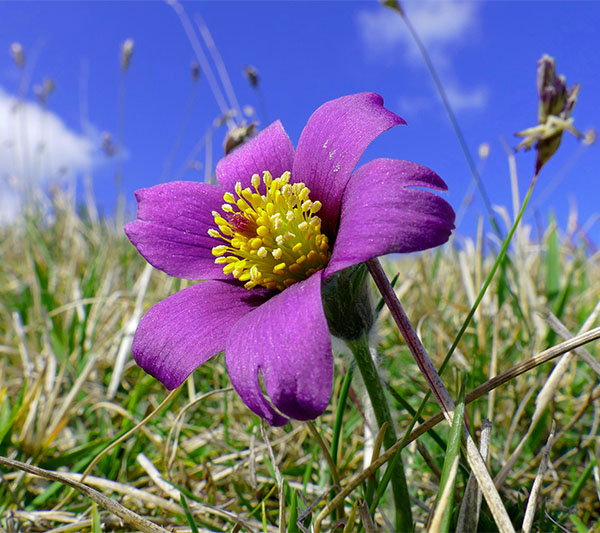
468	517
537	484
339	413
107	503
443	512
188	513
293	519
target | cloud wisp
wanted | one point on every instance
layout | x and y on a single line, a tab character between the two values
443	27
36	148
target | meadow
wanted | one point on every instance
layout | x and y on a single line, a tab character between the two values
74	289
89	442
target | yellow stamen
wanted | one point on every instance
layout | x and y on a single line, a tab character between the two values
273	239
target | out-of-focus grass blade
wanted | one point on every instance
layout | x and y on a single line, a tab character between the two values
580	483
443	512
293	520
7	420
260	504
41	499
580	527
470	507
96	526
339	414
532	501
552	263
349	527
381	303
188	513
264	516
411	410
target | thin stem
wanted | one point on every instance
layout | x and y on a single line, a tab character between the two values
490	276
410	436
364	361
458	132
410	336
444	400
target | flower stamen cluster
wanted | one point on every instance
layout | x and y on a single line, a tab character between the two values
274	239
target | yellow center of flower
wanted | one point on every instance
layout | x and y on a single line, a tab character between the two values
273	239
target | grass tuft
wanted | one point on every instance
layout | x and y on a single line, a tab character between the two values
73	289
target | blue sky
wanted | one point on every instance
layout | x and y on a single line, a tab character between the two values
306	53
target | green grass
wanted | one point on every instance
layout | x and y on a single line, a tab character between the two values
69	289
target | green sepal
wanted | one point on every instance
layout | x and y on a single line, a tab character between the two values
347	304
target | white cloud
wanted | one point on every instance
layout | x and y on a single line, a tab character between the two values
442	25
460	99
36	148
438	23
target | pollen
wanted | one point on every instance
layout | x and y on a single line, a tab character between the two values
272	239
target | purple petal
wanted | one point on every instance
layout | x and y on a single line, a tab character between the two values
381	214
171	228
270	150
180	333
287	340
333	140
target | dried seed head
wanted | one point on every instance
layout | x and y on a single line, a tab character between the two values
224	118
108	146
126	53
556	103
555	98
44	90
16	51
590	137
484	150
392	4
238	135
195	69
252	75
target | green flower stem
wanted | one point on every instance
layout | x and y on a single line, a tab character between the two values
364	361
375	268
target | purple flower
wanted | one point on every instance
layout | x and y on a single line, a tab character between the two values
278	223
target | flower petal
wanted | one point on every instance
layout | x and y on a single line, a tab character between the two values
271	149
180	333
381	214
332	142
287	340
171	228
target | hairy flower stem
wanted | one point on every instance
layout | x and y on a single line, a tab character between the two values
410	336
442	396
364	361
